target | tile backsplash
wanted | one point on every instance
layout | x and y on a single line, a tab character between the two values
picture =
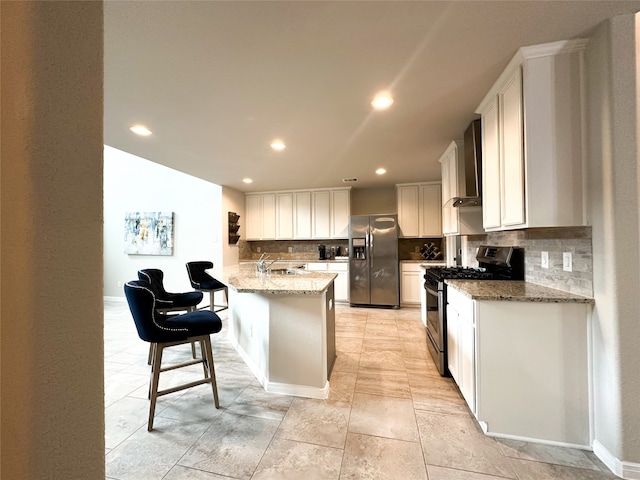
555	241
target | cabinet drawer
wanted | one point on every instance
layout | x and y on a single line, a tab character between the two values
461	304
338	267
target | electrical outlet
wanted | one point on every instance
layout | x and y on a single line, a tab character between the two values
567	263
416	249
258	249
544	259
290	249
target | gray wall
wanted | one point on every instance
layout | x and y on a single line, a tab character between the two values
370	201
51	312
134	184
612	106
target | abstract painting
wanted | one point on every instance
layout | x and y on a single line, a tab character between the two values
148	233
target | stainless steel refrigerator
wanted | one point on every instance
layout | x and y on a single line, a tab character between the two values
373	261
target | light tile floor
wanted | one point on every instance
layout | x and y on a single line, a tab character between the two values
389	416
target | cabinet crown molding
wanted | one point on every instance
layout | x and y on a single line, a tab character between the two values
529	53
435	182
299	190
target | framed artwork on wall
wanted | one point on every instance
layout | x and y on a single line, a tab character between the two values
148	233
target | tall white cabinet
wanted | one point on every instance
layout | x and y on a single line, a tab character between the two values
532	127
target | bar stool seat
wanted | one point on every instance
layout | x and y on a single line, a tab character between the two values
203	282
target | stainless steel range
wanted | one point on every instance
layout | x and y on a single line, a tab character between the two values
495	263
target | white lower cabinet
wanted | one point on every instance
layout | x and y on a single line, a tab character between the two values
411	284
341	283
522	367
461	344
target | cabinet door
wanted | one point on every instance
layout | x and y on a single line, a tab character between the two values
467	361
408	216
321	214
410	283
341	283
452	343
341	208
431	215
268	216
302	214
491	216
512	158
284	216
253	221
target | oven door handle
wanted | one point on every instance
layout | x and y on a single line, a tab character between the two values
432	292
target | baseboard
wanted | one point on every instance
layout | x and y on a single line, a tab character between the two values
626	470
276	387
520	438
115	299
298	390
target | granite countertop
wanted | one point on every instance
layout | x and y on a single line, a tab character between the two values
245	279
427	263
301	261
514	291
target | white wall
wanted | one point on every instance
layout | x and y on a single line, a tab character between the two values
613	193
134	184
51	309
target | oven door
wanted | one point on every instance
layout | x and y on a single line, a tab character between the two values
433	314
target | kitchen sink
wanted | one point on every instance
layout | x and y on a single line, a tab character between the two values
289	271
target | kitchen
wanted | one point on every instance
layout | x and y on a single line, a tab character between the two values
611	236
555	240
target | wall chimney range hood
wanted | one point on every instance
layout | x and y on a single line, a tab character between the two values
472	196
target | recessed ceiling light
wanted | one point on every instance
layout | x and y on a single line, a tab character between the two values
381	171
382	101
278	145
247	180
140	130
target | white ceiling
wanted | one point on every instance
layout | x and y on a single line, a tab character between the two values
216	81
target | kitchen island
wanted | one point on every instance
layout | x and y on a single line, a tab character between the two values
283	326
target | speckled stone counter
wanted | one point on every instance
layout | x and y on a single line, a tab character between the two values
427	263
245	279
514	291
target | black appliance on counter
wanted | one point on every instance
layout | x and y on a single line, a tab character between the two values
322	252
495	263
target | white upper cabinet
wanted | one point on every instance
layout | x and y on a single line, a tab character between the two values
340	212
455	220
302	215
408	198
429	211
532	126
298	214
321	214
260	210
284	216
253	214
419	209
